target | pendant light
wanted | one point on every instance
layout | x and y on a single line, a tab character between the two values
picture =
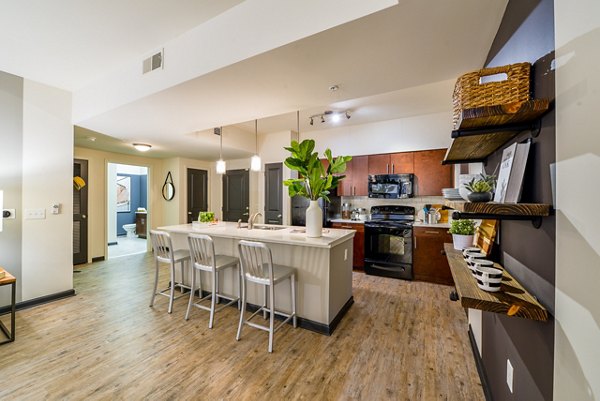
255	163
221	167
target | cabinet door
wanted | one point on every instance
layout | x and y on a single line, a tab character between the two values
360	175
358	244
402	163
429	259
345	188
379	164
431	175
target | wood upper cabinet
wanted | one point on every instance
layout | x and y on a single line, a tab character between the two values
356	182
393	163
429	258
358	244
402	163
430	175
379	164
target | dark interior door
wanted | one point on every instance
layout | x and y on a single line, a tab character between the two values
197	189
236	202
274	193
80	213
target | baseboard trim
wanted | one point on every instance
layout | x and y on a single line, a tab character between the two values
39	301
98	259
487	391
321	328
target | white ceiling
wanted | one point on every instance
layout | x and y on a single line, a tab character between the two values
395	63
70	43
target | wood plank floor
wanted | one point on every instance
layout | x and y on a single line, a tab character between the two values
399	341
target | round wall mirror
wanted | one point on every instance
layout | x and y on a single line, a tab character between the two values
168	189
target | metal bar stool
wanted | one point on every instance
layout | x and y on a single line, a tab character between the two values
202	250
164	253
256	263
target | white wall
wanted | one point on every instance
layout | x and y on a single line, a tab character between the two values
577	328
47	178
429	131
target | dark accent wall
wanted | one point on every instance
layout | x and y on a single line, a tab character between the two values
139	190
526	34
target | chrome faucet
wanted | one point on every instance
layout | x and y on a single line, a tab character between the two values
252	218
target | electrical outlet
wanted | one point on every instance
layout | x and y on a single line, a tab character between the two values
35	214
9	213
509	375
345	254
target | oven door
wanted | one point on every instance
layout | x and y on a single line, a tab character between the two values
388	250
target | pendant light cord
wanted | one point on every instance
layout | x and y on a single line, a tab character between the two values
256	134
221	143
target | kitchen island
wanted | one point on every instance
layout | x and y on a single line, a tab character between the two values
324	267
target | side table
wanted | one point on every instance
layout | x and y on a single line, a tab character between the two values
9	279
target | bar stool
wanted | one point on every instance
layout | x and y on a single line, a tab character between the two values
202	250
164	253
256	263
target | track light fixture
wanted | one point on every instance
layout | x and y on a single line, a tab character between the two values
328	115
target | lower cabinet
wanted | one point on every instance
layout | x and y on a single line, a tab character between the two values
429	259
358	259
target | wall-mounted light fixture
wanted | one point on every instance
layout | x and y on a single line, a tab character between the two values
221	166
333	116
255	163
142	147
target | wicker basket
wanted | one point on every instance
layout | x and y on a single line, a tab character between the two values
469	92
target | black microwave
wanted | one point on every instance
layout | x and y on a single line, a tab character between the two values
391	186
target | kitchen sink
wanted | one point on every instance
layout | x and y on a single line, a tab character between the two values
269	228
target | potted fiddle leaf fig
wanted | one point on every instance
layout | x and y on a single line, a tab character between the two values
314	181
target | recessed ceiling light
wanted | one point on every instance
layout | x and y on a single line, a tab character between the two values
142	147
333	88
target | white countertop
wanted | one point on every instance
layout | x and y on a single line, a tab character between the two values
439	225
347	221
289	235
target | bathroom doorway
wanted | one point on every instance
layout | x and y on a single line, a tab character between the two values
127	209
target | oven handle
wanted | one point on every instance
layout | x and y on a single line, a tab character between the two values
395	269
375	225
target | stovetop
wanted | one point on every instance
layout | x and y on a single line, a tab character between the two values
392	215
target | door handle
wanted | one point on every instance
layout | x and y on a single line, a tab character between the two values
393	168
415	242
245	214
278	216
189	212
387	168
83	216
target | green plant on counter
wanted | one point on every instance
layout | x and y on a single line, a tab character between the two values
315	181
206	217
462	227
485	183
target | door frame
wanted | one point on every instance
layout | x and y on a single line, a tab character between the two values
149	197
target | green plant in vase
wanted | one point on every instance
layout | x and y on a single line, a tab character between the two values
315	181
481	188
462	232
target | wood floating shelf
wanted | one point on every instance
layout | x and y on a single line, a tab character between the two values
511	300
483	130
500	211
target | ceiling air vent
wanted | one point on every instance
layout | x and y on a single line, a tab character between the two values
153	62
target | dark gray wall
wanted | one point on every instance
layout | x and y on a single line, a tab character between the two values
11	176
526	34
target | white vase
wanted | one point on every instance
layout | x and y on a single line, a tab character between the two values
462	241
314	220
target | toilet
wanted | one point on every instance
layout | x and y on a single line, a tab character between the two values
130	229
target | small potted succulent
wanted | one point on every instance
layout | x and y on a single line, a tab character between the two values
481	188
462	232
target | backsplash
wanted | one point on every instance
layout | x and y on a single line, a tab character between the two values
418	202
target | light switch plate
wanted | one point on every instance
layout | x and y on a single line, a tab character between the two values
35	214
509	375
